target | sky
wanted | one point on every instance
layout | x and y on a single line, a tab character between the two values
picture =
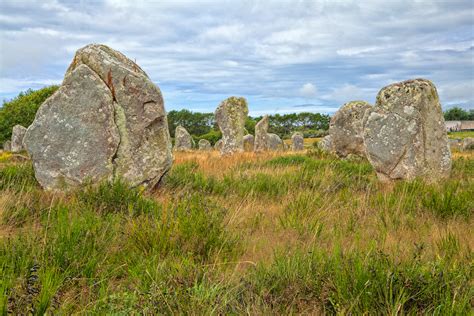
283	56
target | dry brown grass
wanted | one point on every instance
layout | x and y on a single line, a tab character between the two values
352	225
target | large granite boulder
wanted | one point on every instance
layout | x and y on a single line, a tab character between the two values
230	116
106	121
468	143
261	135
7	145
18	133
248	142
204	144
297	141
346	128
183	141
274	142
405	135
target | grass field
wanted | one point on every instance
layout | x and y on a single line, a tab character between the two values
461	135
275	233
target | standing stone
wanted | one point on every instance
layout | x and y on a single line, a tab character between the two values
468	143
218	145
248	142
204	144
18	133
230	116
297	141
274	142
454	144
261	135
106	121
7	145
346	129
183	141
325	143
405	134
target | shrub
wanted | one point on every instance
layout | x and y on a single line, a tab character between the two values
22	110
213	136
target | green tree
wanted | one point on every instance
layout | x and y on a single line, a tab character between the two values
22	110
458	114
194	122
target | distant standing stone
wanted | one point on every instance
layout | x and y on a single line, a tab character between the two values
183	141
346	129
18	133
230	116
106	121
325	143
7	145
297	141
248	142
455	143
405	133
468	143
218	145
274	142
261	135
204	144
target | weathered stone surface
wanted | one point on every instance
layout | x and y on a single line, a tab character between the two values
230	116
7	145
297	141
346	127
204	144
468	143
106	121
274	142
405	134
325	143
218	145
248	142
261	135
182	139
18	133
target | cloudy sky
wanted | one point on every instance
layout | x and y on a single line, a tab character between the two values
282	56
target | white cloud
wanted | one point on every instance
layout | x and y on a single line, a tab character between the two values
203	51
308	90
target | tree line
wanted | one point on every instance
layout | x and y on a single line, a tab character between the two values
22	109
203	125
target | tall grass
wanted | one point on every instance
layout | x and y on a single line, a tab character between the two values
267	234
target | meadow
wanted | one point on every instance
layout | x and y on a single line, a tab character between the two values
271	233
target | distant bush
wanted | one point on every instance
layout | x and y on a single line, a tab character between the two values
22	110
212	136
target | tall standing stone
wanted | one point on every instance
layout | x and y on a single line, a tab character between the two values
183	141
230	116
346	128
18	133
106	121
297	141
248	142
325	144
261	135
405	134
204	144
